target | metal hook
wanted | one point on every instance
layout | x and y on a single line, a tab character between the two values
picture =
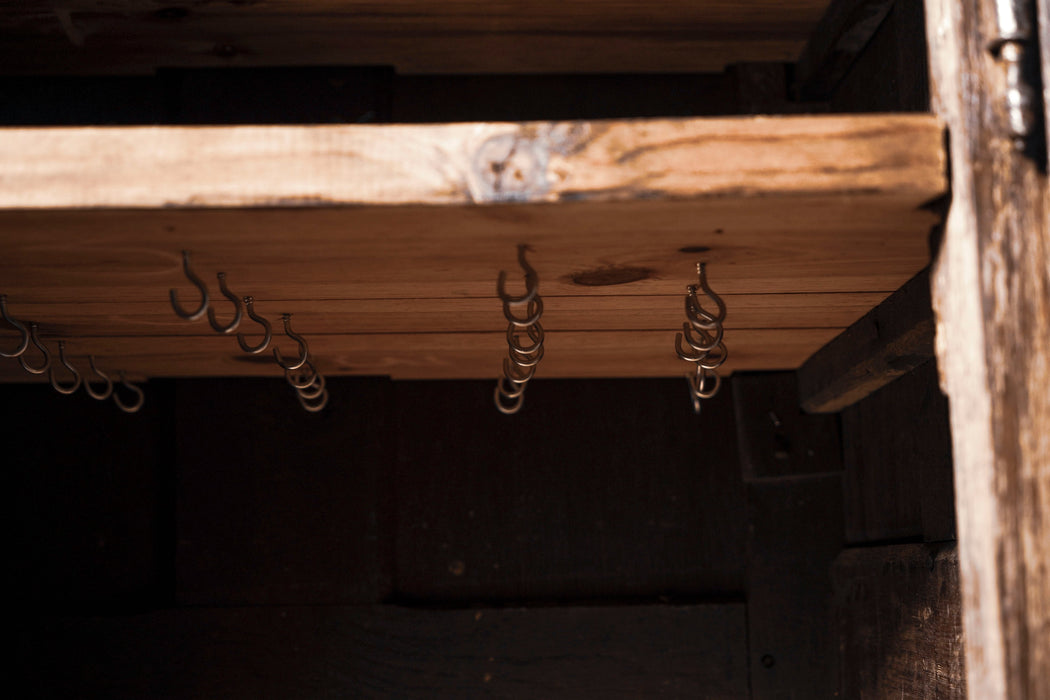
503	408
51	372
249	304
701	273
199	311
311	392
531	281
517	373
105	393
526	360
535	332
132	408
39	346
18	326
304	349
535	310
298	379
314	407
232	326
698	381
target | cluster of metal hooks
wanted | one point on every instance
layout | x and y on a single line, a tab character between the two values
520	364
702	333
309	385
32	336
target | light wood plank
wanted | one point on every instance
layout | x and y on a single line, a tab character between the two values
415	36
433	356
253	166
991	297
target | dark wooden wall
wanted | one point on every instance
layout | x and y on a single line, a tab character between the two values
411	542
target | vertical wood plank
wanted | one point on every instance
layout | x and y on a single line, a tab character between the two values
991	294
899	623
795	532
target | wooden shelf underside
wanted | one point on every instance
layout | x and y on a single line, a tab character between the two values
390	266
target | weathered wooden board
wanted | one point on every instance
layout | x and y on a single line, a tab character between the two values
449	315
620	209
991	295
898	614
385	652
415	36
897	455
427	355
791	244
892	339
253	166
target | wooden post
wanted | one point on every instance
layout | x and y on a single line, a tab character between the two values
991	296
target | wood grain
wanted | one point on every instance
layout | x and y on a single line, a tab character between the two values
449	315
415	36
252	166
991	294
619	209
899	624
791	244
388	652
891	340
897	483
429	355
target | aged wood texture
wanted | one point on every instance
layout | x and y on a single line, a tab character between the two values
415	36
889	341
897	479
991	294
839	38
899	623
253	166
775	438
386	652
620	210
795	532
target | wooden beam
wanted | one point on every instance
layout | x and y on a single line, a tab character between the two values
838	39
384	652
267	166
899	626
417	221
991	294
414	36
891	340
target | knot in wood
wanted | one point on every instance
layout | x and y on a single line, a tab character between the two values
510	168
